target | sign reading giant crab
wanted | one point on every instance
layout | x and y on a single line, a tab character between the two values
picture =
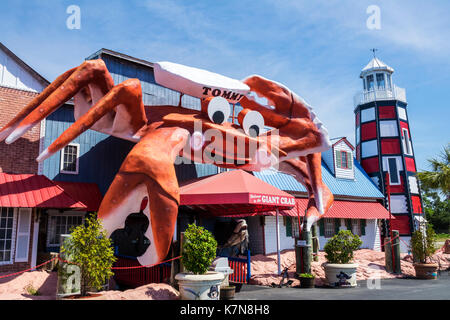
164	134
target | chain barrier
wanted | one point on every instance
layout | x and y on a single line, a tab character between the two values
16	273
391	240
69	262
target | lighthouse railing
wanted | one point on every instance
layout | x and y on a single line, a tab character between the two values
367	96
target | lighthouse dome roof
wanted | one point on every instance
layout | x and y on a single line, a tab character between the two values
375	65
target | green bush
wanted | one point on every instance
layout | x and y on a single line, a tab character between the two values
423	245
339	249
199	249
90	249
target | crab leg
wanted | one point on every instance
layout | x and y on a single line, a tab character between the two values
57	93
306	172
125	98
36	101
148	170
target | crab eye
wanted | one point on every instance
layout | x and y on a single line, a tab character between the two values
253	123
218	110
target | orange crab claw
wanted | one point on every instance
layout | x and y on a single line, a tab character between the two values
147	171
57	93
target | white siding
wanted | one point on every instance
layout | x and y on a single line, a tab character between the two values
369	148
402	113
271	236
340	172
388	128
371	240
398	204
368	114
14	76
413	187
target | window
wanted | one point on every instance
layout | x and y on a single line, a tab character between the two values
364	83
343	159
6	234
380	81
369	148
329	227
69	158
356	227
388	128
61	224
370	83
368	114
388	81
394	175
407	149
294	226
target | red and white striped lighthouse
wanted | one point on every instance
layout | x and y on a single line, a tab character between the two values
384	144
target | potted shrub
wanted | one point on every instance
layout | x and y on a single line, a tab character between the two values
306	280
422	247
199	250
339	270
90	250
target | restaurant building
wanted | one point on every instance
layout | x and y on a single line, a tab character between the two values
71	183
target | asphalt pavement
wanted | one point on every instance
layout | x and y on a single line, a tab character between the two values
385	289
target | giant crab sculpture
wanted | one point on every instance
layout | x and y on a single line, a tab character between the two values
164	132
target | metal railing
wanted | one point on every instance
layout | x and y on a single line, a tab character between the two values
139	276
241	269
367	96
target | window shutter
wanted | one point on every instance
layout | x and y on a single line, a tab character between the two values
350	160
321	227
348	222
288	227
337	225
23	235
363	227
338	159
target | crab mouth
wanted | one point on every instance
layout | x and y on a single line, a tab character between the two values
253	153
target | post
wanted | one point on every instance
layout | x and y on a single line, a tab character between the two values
397	268
388	255
307	251
278	242
315	242
182	241
175	264
249	266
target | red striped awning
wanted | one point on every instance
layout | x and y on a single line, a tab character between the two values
341	209
37	191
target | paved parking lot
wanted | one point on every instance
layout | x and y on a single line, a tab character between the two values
399	289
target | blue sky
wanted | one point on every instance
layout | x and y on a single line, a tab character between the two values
317	48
